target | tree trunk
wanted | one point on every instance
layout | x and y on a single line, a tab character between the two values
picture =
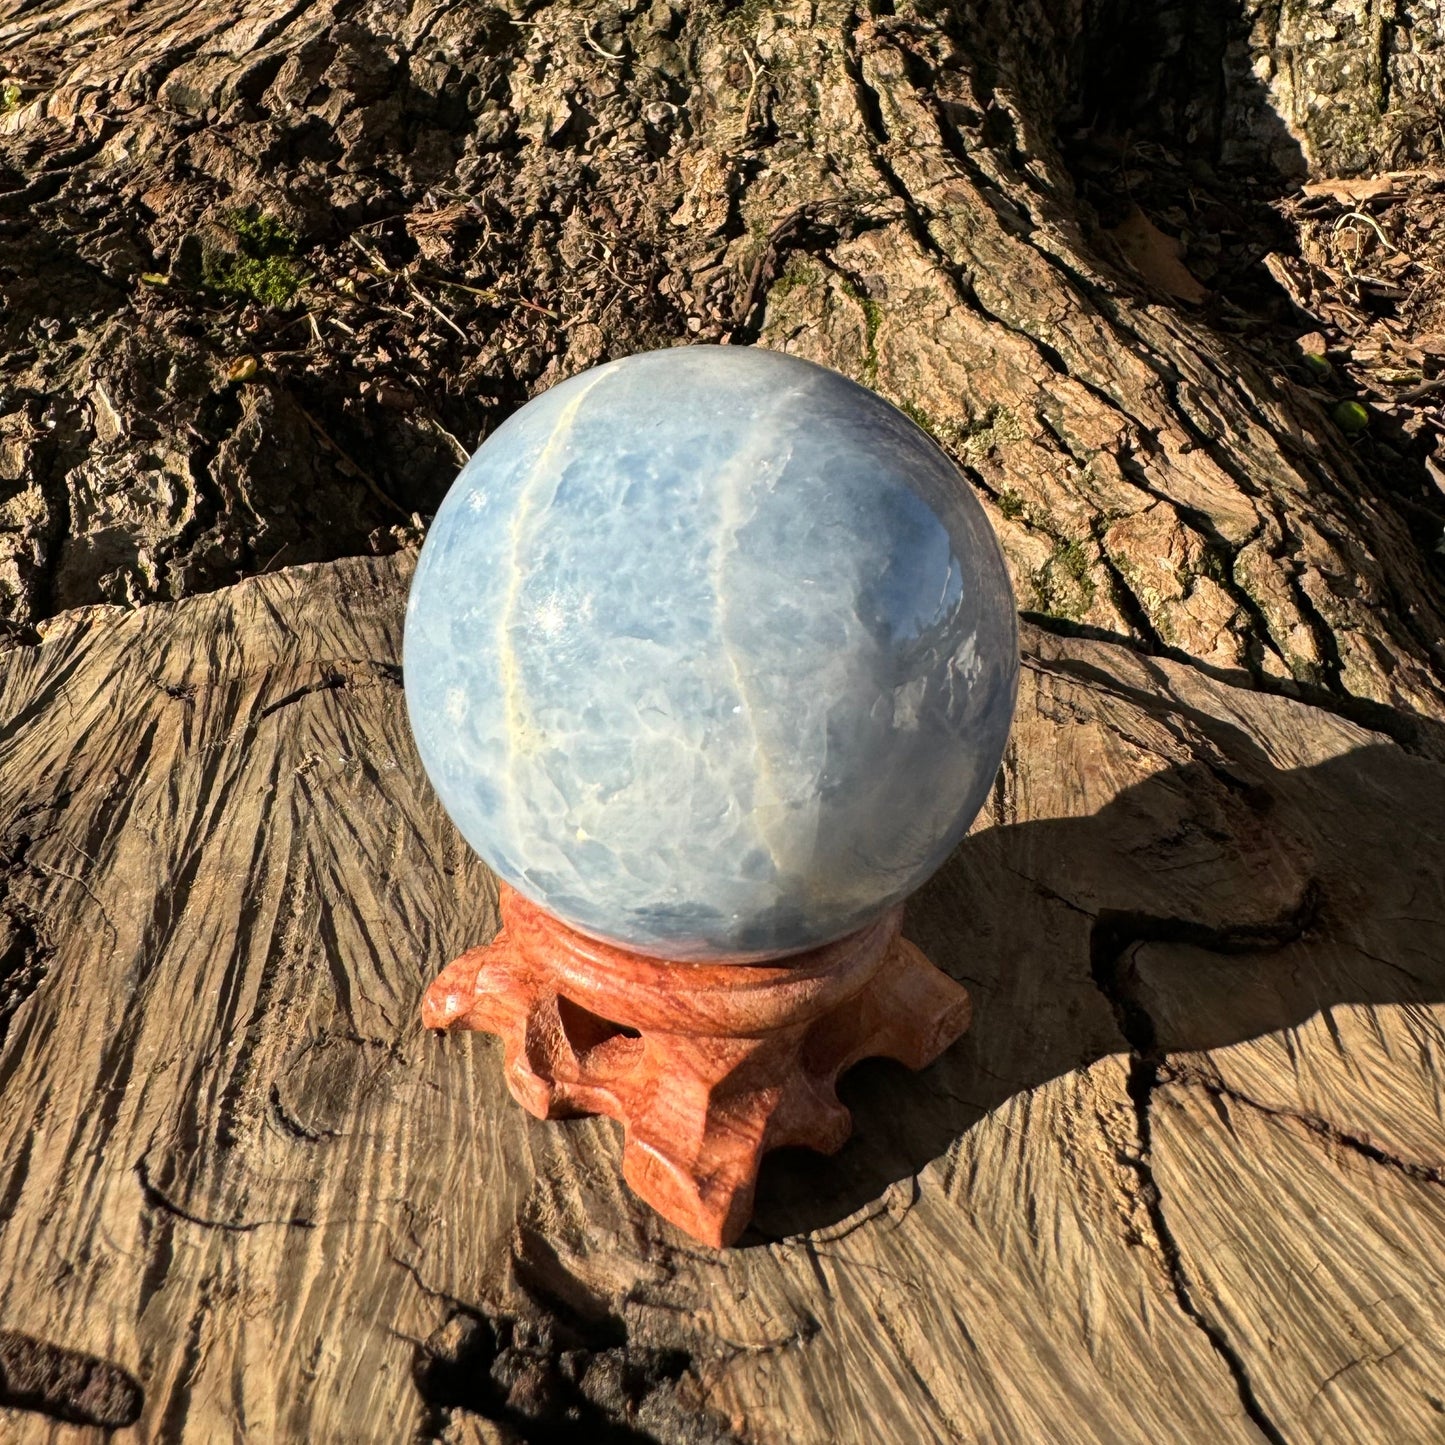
270	273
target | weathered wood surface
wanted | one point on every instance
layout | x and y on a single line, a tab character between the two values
1184	1180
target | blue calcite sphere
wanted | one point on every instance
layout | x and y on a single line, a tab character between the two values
712	653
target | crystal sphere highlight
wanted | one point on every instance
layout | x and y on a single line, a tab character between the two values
712	653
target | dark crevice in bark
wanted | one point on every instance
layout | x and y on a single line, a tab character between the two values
217	421
65	440
24	959
1326	642
1128	603
872	113
24	950
1258	637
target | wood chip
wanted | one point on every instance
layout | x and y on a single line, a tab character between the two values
1286	274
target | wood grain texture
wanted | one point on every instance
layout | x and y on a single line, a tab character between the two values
484	204
1182	1180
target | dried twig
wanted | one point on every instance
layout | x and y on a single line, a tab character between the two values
496	297
433	307
1370	221
462	454
594	46
757	70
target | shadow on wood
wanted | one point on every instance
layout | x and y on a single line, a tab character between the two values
1322	907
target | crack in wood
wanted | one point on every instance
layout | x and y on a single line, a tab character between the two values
329	682
1420	737
1171	1073
292	1126
1113	937
158	1199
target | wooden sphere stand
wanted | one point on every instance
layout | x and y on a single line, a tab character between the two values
705	1065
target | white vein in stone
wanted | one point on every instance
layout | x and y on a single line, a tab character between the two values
687	674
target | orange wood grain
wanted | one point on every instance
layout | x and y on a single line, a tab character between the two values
706	1066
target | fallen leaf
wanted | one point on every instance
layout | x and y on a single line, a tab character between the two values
1352	188
1155	257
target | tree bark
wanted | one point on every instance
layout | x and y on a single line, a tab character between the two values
1183	1179
886	193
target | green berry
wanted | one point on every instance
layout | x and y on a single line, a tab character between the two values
1351	417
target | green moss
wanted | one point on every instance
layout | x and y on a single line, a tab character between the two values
262	268
872	320
760	225
921	418
1010	504
945	433
1216	566
262	235
997	429
800	271
1064	586
9	97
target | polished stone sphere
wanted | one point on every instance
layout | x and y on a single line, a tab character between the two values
712	653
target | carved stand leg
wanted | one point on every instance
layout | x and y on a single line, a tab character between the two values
705	1065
